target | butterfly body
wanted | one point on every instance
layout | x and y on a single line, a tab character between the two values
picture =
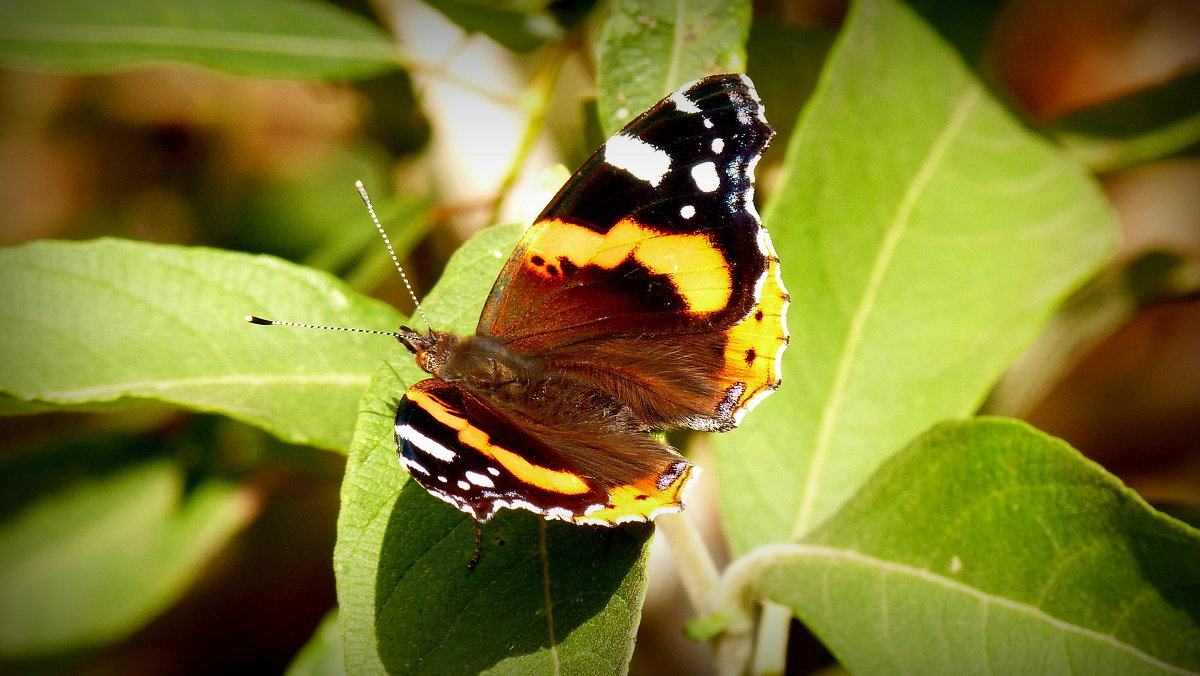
646	296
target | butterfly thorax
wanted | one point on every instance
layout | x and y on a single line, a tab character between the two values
514	381
478	363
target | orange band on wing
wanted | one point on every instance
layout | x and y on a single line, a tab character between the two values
643	500
558	481
697	269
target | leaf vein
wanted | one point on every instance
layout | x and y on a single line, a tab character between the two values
549	601
162	36
893	234
111	391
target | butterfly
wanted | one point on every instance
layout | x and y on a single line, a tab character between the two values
646	296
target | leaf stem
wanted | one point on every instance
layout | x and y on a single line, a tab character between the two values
697	571
770	649
535	101
732	648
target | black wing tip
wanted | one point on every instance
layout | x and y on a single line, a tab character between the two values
723	84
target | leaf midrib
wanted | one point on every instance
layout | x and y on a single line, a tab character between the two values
676	50
114	390
894	232
161	36
545	556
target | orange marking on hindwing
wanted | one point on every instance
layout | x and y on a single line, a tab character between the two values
643	499
558	481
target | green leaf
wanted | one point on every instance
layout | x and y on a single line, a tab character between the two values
785	62
545	597
516	25
323	654
647	48
274	38
1093	313
925	237
989	547
113	321
300	219
1141	127
96	561
965	26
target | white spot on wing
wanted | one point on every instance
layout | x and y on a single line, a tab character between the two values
705	176
682	103
446	497
687	211
761	113
413	466
560	513
493	471
643	160
708	124
718	145
425	444
522	504
740	107
480	480
464	485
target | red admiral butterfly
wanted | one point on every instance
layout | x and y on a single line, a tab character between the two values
646	296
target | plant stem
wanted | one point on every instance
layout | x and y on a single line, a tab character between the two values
732	648
695	567
770	652
534	101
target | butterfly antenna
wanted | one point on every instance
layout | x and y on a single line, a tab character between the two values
271	322
362	192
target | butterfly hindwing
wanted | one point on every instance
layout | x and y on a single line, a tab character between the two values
480	458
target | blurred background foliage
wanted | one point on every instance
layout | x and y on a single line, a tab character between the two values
463	134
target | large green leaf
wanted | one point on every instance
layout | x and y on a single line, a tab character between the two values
989	547
113	321
647	48
925	236
545	597
785	62
277	38
1143	126
520	26
93	562
966	26
323	654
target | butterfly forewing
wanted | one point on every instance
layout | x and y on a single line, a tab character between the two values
647	295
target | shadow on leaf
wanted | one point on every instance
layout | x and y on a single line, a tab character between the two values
434	615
